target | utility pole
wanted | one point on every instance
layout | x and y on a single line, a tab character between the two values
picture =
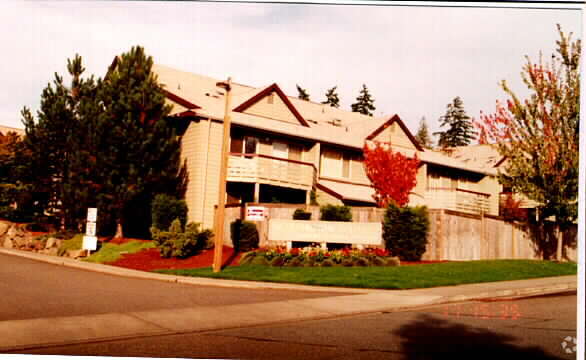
219	223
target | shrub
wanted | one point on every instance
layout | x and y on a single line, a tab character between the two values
328	263
347	262
244	235
378	261
405	231
278	261
295	262
259	260
393	261
301	214
361	262
165	209
247	258
180	243
335	213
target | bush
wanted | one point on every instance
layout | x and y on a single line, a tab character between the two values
295	262
335	213
244	235
378	261
180	243
247	258
361	262
328	263
165	209
259	260
347	263
301	214
278	261
393	261
405	231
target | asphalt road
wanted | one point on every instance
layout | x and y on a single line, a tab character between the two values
532	328
30	289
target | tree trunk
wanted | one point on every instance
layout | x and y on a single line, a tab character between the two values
560	239
119	234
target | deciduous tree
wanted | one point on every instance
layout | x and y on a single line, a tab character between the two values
392	174
539	135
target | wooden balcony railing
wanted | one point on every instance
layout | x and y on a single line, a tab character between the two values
271	170
458	199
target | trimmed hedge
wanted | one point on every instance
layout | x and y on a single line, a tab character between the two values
181	243
301	214
335	213
405	231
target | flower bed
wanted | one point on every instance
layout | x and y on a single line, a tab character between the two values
316	256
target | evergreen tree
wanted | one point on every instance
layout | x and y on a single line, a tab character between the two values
137	148
422	135
54	140
332	98
303	95
461	131
364	102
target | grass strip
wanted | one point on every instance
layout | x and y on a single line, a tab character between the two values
401	277
112	252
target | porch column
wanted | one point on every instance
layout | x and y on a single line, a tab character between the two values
256	192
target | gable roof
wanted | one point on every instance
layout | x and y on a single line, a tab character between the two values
265	92
395	119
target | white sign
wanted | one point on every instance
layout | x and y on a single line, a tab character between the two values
90	229
256	213
92	214
325	231
90	243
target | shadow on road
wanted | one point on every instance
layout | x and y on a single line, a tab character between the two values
429	337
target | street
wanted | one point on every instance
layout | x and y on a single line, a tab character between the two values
76	312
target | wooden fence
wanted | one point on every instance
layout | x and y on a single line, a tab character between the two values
452	235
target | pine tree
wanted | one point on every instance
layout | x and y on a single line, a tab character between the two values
461	131
54	140
332	98
138	150
303	95
364	102
422	135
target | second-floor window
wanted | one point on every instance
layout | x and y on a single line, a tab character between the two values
335	164
246	145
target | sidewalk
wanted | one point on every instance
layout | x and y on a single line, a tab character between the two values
16	335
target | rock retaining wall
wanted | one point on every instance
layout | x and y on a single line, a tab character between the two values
15	236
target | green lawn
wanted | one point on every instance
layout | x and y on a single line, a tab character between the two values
401	277
112	252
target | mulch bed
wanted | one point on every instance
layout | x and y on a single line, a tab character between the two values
150	259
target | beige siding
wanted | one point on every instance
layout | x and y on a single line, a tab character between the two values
201	148
396	136
323	198
421	185
277	110
357	171
265	146
490	185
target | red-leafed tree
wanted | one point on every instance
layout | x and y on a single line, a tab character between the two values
392	174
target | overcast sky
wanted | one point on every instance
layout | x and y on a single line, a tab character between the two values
414	59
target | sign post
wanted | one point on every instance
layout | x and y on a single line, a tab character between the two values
90	241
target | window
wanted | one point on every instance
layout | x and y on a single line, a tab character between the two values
250	144
335	164
280	150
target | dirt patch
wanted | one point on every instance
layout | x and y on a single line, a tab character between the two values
151	259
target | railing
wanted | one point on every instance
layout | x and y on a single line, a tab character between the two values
271	170
458	199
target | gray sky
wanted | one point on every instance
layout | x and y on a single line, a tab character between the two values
414	59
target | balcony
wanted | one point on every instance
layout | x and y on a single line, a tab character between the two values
264	169
467	201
